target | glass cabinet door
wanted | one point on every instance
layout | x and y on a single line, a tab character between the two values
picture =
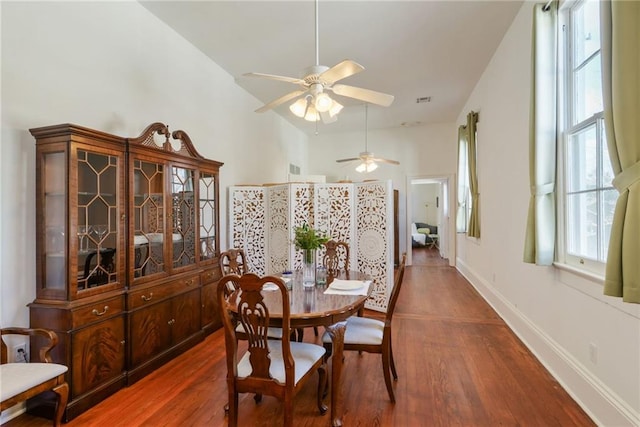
183	217
207	216
97	229
54	271
148	218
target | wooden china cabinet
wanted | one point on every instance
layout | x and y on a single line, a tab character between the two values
127	254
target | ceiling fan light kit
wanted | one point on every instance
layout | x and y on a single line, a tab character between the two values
366	166
315	103
307	110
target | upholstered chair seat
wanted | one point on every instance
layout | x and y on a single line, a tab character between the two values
363	330
305	355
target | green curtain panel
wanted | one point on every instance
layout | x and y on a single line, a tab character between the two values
461	214
621	87
474	216
540	236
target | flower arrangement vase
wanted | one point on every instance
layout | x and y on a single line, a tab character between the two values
308	268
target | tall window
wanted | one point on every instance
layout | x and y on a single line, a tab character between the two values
588	197
464	194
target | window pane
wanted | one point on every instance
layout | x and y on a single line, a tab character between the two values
582	161
587	87
607	169
610	198
586	34
582	225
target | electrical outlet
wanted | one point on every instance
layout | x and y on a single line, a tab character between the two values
20	354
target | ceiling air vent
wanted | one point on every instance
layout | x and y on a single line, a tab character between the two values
423	99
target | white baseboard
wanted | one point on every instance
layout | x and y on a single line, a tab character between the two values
603	405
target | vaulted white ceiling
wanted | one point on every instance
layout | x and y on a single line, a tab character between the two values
409	49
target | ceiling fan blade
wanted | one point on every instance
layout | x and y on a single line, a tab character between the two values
392	162
370	96
340	71
274	77
281	100
353	159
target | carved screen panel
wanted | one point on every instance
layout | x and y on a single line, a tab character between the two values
278	240
374	238
302	211
247	222
334	210
263	220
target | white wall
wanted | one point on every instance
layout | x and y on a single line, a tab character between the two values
558	314
424	203
115	67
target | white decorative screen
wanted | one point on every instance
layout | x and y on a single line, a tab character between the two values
374	239
247	223
263	219
279	240
302	211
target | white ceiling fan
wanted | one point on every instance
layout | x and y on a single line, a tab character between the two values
315	103
367	159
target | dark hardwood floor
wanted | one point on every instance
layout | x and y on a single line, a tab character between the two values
458	365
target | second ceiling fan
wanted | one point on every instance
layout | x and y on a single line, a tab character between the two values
368	161
315	103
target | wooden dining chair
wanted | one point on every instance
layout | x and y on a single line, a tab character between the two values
336	257
273	367
22	381
364	334
233	261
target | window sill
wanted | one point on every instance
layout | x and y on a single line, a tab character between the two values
585	274
592	284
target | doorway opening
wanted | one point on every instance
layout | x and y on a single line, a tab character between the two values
429	220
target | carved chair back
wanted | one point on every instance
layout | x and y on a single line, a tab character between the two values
233	261
336	256
254	374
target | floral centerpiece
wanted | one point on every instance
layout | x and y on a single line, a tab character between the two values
308	239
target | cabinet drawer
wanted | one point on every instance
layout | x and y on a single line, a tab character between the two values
210	275
97	311
154	294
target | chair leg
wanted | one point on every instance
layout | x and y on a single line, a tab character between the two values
322	389
257	397
386	356
393	363
315	330
61	404
233	409
288	411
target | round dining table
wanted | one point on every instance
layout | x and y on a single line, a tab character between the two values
312	307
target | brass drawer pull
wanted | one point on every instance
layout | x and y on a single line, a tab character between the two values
100	313
147	298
